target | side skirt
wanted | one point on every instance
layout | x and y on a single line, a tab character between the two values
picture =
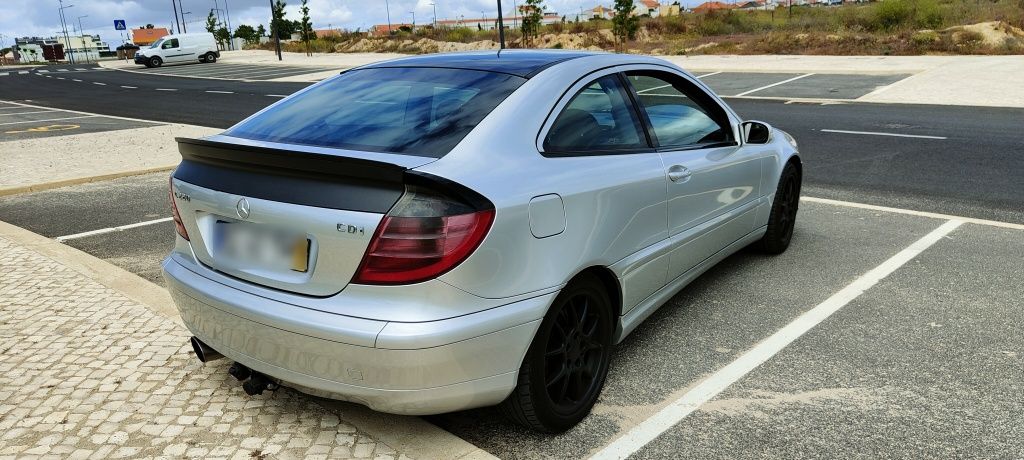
638	314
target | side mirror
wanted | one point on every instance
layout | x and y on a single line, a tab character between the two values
756	132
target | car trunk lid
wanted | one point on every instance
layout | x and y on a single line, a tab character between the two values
289	217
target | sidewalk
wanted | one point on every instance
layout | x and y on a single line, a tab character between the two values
95	364
37	163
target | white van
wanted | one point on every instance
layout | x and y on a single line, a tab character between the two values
174	48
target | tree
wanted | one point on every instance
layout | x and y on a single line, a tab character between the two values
211	23
531	21
306	26
279	26
624	24
222	35
150	26
260	31
247	33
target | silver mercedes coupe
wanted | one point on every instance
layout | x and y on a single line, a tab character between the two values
451	231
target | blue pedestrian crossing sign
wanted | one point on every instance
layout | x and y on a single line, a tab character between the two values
119	24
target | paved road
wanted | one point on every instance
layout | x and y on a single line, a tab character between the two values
963	173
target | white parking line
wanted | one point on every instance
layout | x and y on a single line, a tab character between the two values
276	95
61	78
81	69
710	74
61	239
25	113
98	83
129	87
51	119
75	79
911	212
774	84
23	72
4	74
62	70
44	71
650	429
221	92
871	133
166	89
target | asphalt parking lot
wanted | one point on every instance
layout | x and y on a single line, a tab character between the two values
796	85
24	122
231	71
926	363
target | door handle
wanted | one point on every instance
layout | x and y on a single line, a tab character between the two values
679	173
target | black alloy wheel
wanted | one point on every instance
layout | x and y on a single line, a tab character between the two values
783	215
565	369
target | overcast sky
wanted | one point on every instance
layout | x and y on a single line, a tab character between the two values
20	18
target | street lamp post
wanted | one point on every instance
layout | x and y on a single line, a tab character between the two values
434	5
174	6
64	26
413	20
387	9
184	22
81	29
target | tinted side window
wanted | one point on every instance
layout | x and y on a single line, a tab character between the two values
681	114
600	118
172	43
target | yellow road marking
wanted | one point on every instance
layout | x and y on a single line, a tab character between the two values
43	129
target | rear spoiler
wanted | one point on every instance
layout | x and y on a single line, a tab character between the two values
309	179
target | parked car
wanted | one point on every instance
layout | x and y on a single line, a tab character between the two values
450	231
176	48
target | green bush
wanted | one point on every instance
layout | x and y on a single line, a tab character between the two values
891	14
928	14
460	34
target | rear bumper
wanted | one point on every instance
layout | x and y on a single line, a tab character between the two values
431	367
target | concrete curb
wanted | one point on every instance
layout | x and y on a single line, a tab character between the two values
149	295
80	180
413	435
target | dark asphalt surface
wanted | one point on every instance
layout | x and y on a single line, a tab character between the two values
976	172
927	364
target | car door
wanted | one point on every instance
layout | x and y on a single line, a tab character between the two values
172	51
713	184
616	189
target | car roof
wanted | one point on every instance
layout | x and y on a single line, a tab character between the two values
521	63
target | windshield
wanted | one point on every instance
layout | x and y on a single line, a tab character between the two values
157	43
415	111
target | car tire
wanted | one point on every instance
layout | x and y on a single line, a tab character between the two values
211	58
565	368
783	215
155	61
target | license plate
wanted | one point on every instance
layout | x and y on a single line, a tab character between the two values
251	246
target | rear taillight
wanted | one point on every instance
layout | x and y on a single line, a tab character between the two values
178	225
423	236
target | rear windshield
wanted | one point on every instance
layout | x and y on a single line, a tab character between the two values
414	111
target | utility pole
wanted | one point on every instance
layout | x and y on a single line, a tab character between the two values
82	29
227	14
501	28
64	26
434	5
388	10
273	30
184	22
174	6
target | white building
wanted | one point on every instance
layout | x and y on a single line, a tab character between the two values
84	47
28	52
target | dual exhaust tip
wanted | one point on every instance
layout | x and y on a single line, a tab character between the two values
253	382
